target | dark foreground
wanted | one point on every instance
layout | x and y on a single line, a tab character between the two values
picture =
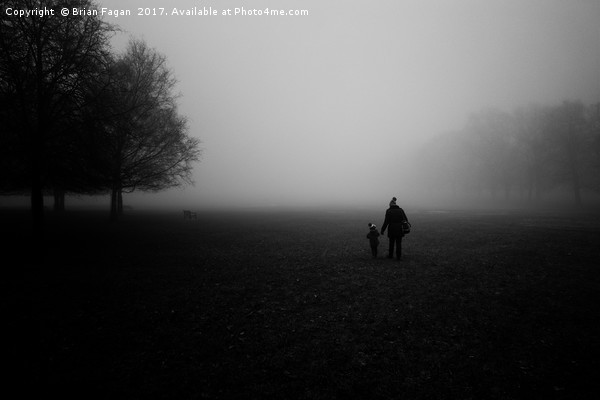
290	305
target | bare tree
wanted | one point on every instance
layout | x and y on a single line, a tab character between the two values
592	161
567	131
143	137
44	63
535	150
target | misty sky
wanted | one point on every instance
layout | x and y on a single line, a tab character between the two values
322	108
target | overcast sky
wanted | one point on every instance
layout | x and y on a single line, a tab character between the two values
320	108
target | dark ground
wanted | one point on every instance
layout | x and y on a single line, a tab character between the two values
290	305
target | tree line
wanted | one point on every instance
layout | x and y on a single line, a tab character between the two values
78	118
528	154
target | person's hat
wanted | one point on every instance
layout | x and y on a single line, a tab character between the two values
393	202
372	226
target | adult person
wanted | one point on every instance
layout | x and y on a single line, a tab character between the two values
394	216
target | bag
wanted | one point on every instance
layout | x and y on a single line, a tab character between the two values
405	227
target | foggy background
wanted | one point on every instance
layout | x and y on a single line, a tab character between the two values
328	108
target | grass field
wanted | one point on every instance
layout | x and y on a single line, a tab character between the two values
290	305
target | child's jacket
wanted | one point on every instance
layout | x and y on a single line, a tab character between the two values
373	236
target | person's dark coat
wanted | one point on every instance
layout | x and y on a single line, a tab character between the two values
394	216
373	237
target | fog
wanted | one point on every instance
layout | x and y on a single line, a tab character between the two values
328	108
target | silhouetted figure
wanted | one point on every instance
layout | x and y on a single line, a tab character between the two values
373	237
394	216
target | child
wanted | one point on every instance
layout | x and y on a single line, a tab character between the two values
373	236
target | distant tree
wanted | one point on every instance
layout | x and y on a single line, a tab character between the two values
44	63
493	136
535	151
567	130
143	139
592	163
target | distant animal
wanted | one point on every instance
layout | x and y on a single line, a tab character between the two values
187	214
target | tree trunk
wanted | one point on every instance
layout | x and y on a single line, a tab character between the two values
37	139
37	205
572	146
37	195
114	215
59	200
116	202
120	202
573	164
